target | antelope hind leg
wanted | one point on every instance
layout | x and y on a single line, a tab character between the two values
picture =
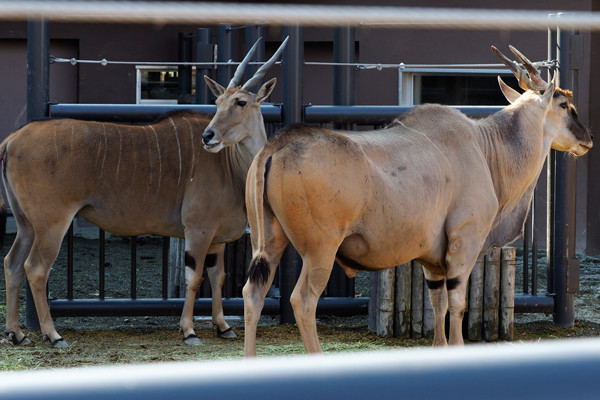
14	273
43	253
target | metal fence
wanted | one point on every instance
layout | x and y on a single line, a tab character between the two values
290	111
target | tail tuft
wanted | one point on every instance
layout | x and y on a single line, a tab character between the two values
258	273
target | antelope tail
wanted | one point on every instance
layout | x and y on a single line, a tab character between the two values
258	272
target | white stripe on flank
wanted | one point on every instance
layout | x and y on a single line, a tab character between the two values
178	149
193	150
105	148
151	169
120	152
159	157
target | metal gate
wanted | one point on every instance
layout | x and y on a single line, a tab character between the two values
563	265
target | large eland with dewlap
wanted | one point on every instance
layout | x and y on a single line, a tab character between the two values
434	186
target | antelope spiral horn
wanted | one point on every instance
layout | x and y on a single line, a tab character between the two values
237	76
261	71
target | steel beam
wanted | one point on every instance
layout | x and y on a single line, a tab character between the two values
340	306
566	265
38	89
292	60
143	112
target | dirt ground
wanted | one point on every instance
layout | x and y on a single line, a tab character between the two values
116	340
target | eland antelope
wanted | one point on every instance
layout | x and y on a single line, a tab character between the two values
434	186
183	176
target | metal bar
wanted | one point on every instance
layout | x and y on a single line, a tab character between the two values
292	91
526	239
224	53
142	112
377	115
343	94
564	211
253	32
315	15
534	264
533	304
184	72
165	266
133	269
102	264
70	262
551	164
501	371
38	88
345	306
204	53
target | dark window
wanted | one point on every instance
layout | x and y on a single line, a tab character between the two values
461	89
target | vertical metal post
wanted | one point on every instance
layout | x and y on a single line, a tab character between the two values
551	162
224	54
293	59
343	76
204	53
38	89
566	265
165	267
343	95
253	32
184	72
133	268
70	245
102	264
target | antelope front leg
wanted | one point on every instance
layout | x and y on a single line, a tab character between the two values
215	267
193	275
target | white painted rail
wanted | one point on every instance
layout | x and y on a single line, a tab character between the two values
550	370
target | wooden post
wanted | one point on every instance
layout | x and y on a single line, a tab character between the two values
403	301
507	294
428	315
177	284
475	319
491	298
382	307
416	326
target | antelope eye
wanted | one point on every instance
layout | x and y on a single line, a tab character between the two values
564	105
240	103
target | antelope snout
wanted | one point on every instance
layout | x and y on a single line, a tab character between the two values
207	136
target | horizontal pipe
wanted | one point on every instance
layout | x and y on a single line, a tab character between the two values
377	115
534	304
342	306
368	115
502	371
142	112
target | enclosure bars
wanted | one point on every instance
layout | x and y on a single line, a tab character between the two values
272	114
565	277
38	91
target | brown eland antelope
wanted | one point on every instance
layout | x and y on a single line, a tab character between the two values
134	180
434	186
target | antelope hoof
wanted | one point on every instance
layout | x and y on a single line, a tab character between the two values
23	342
59	343
192	340
226	334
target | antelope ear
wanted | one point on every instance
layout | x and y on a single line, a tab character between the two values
549	92
509	93
214	87
265	90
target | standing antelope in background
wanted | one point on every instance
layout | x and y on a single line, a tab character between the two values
133	180
434	186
